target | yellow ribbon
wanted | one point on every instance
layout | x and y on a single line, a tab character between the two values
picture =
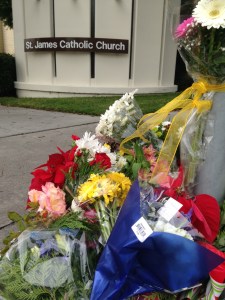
186	102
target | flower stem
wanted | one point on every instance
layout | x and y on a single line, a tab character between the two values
103	219
195	156
211	44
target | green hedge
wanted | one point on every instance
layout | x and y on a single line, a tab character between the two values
7	75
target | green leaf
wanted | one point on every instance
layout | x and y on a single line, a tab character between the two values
139	153
14	216
219	60
33	205
12	235
21	226
145	164
129	158
135	168
29	216
221	241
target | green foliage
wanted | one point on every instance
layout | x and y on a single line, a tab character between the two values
70	220
13	285
7	74
202	50
136	160
29	220
6	12
94	106
41	268
32	220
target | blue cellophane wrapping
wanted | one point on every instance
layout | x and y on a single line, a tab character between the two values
163	262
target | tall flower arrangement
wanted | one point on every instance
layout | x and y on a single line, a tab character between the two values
201	41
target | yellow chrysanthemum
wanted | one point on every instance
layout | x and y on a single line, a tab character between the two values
123	185
110	187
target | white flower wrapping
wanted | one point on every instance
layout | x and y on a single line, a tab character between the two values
120	120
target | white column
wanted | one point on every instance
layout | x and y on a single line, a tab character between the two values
112	20
19	35
147	42
169	47
72	19
38	22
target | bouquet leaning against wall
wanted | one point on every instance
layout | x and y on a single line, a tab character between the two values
201	43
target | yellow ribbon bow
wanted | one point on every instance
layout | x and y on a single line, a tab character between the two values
186	102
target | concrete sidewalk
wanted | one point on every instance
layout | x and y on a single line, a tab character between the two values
27	137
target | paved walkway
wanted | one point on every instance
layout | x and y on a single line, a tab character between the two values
27	137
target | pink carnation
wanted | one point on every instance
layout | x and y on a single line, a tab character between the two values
182	28
51	199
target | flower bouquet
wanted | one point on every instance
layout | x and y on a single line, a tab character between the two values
201	39
152	248
120	119
49	264
157	205
72	204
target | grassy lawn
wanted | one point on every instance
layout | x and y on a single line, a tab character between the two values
87	105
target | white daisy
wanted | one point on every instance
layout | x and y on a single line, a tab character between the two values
210	13
88	142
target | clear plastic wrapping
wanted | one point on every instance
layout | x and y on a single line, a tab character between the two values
193	147
200	37
162	213
48	264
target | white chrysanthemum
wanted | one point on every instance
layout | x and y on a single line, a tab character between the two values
89	142
119	115
210	13
117	161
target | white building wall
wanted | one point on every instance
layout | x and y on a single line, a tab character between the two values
113	20
72	20
149	65
37	16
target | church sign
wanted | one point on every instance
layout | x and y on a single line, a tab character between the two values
76	44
